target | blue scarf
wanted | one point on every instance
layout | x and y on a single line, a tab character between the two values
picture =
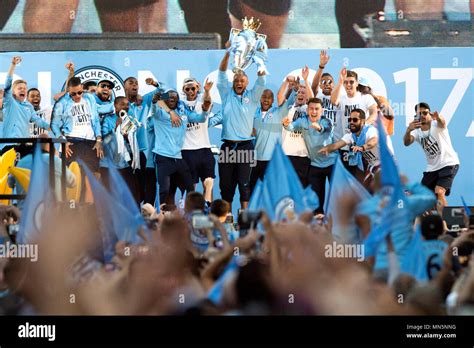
355	158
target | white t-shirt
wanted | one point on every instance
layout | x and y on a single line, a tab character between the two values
197	134
45	114
330	110
82	121
347	105
372	156
292	142
437	146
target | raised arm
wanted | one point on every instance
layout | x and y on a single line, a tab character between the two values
258	88
222	82
408	139
323	60
15	61
305	74
335	95
281	96
440	121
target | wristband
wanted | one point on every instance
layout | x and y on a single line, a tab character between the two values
321	67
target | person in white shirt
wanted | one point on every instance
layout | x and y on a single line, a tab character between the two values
364	152
322	86
34	97
348	102
430	131
196	150
292	141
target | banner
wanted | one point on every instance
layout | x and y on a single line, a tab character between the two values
439	76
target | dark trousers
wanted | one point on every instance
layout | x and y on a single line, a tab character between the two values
317	180
150	185
233	171
128	177
354	170
165	168
258	172
301	166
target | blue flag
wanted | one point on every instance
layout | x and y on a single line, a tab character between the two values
395	205
343	184
467	210
117	223
121	194
256	197
38	200
311	198
216	293
414	260
282	188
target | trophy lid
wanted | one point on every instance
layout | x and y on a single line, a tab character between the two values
252	24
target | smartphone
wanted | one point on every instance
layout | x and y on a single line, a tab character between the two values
201	221
416	118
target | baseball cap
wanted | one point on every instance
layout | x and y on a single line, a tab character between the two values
107	81
364	81
189	81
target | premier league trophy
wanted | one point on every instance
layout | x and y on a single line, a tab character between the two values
129	124
247	46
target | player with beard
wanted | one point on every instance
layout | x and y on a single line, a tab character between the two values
104	98
140	108
237	112
347	102
363	144
17	111
292	141
431	132
197	147
322	86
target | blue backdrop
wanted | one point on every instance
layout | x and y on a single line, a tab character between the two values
440	76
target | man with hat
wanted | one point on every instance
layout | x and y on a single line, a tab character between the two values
104	98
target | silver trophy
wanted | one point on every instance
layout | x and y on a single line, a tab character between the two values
247	46
129	124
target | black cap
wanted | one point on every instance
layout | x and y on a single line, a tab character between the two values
108	81
422	105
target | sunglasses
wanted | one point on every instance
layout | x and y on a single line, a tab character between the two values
424	113
353	119
188	89
105	85
326	82
349	82
73	94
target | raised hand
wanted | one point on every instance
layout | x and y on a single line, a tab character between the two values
323	58
305	73
208	85
343	74
435	116
414	125
150	81
70	66
16	60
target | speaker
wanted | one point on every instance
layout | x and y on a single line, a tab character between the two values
455	216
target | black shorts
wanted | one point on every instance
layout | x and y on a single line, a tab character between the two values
201	163
272	8
82	149
442	177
